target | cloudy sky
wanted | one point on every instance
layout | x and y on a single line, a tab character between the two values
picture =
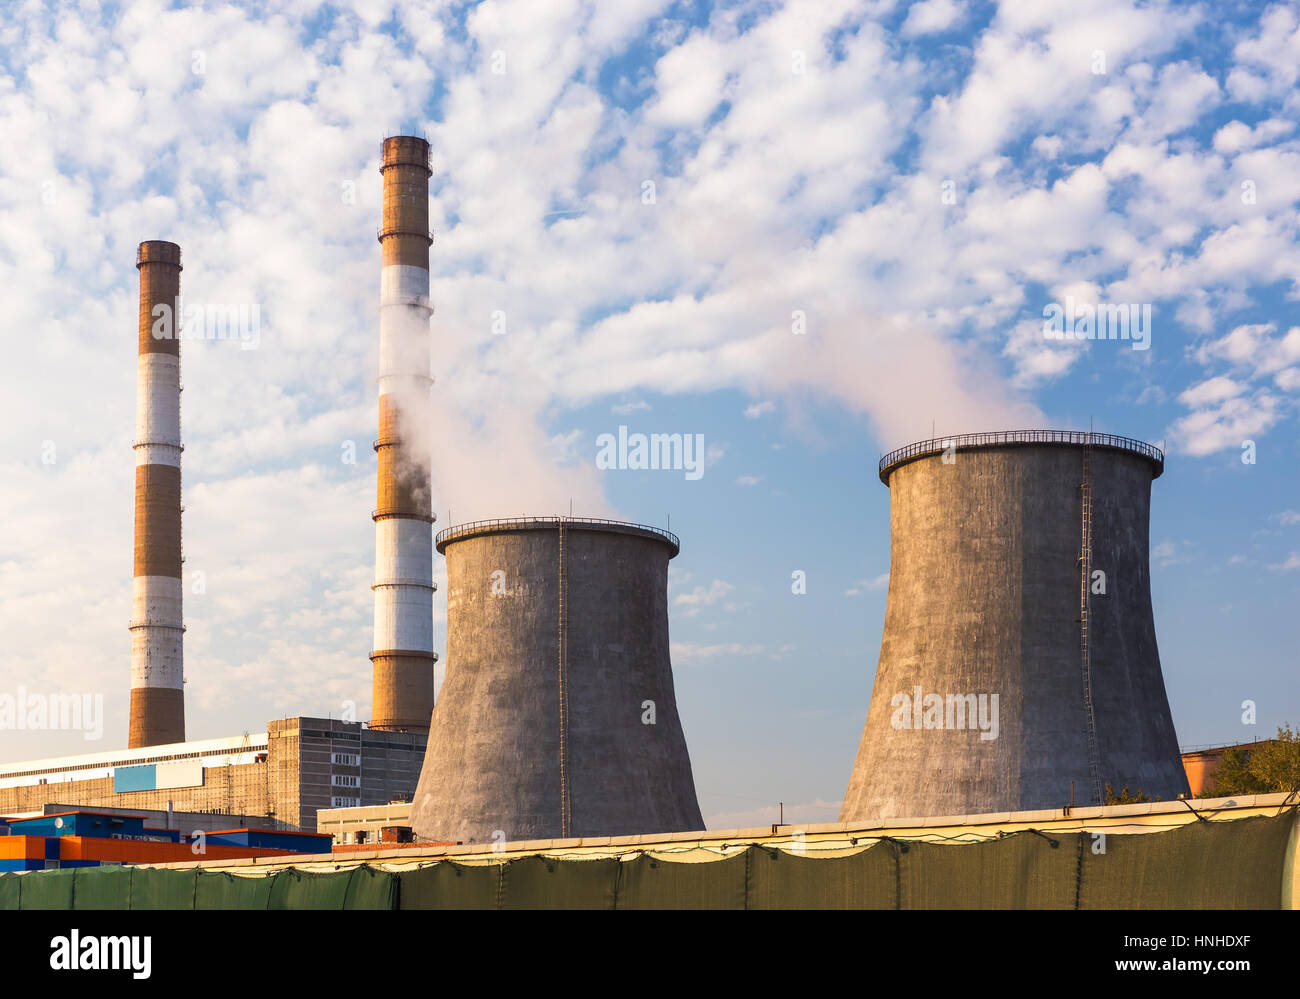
809	231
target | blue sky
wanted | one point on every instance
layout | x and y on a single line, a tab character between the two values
917	180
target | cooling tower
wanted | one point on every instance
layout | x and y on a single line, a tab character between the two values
1019	653
157	696
557	716
403	655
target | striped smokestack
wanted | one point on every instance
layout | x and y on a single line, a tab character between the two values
157	698
403	658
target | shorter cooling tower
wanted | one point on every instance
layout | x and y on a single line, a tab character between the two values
557	716
1018	665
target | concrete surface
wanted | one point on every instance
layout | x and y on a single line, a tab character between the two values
984	598
493	766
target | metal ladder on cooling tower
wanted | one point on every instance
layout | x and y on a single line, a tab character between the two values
1085	591
565	809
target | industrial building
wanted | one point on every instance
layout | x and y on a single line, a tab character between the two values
1202	763
1018	667
85	838
367	823
557	715
298	765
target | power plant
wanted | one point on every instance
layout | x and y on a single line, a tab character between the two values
557	716
403	657
1018	668
157	626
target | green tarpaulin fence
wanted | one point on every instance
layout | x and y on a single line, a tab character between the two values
1218	865
148	888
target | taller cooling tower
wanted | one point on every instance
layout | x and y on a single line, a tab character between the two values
403	657
1019	653
557	717
157	694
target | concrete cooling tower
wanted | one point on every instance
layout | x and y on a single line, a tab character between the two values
557	717
1019	661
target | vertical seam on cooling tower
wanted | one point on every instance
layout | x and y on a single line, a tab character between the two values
1085	583
563	690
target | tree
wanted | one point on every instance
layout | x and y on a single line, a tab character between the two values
1269	766
1124	798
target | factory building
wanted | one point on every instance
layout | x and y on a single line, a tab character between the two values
557	716
84	838
298	765
1018	667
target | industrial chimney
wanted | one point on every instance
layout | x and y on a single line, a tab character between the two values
157	695
557	716
1018	666
403	654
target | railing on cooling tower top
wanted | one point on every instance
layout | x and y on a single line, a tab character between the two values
459	530
938	445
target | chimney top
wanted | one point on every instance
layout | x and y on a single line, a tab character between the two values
406	150
158	251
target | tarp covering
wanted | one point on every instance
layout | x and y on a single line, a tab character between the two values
145	888
11	886
48	889
1022	870
219	890
449	885
359	888
866	880
99	887
649	883
1202	865
544	883
159	889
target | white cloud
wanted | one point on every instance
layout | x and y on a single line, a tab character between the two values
702	596
932	16
758	409
1212	391
864	585
693	653
623	409
1228	424
1269	63
1237	136
1169	553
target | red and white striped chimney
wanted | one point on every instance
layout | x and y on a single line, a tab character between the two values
157	697
403	654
